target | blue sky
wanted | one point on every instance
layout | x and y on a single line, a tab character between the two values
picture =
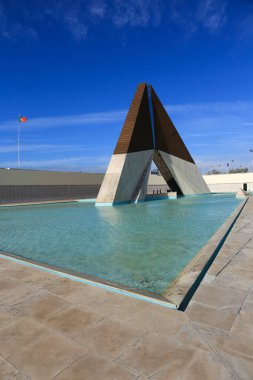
72	68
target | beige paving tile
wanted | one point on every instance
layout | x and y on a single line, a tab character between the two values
217	267
242	271
87	295
205	366
246	254
161	320
227	252
94	367
190	335
110	338
238	264
168	374
63	286
42	307
247	229
8	314
246	315
47	357
26	274
153	352
18	294
222	318
215	338
249	297
16	272
39	278
121	307
23	272
219	297
9	372
4	262
7	284
241	368
232	281
249	244
239	239
239	343
17	335
71	322
240	327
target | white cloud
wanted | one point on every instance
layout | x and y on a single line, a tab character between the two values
14	29
216	107
79	16
136	12
76	26
43	148
212	14
74	163
64	121
98	9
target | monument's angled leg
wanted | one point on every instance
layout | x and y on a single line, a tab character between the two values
172	156
127	174
126	178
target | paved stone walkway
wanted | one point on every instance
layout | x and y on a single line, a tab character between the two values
55	328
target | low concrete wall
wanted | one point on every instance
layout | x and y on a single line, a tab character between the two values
18	185
29	185
46	192
16	177
225	183
156	183
39	185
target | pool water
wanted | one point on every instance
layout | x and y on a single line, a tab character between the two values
142	246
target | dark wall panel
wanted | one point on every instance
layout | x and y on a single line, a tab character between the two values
47	192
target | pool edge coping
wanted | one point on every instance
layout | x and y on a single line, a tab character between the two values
111	288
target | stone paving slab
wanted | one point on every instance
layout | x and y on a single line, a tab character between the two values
83	332
8	371
94	367
222	307
47	356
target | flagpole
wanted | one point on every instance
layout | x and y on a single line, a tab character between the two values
18	142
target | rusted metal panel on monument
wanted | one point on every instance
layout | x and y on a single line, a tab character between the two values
167	137
136	134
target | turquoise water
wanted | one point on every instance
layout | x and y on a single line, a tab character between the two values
141	246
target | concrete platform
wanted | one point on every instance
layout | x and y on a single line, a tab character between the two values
55	328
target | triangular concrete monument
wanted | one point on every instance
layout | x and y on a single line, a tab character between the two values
148	134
